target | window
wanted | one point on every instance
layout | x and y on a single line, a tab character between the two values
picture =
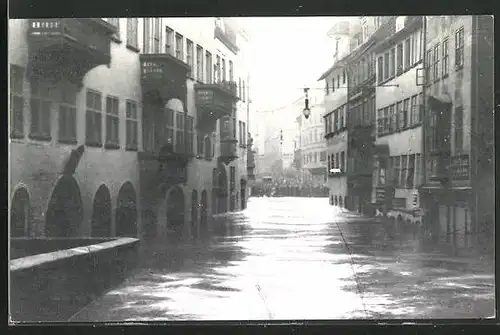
147	35
240	132
418	170
341	117
337	160
243	92
315	160
190	56
336	120
132	32
427	68
190	135
393	116
67	115
200	143
322	156
458	129
338	80
396	170
459	49
406	109
386	65
112	122
169	126
327	88
217	69
407	54
343	76
179	47
169	41
208	63
333	85
132	125
244	134
179	132
231	71
435	65
93	118
382	166
399	62
329	163
401	116
445	58
342	161
404	171
208	148
16	101
392	60
413	50
411	172
199	63
41	110
223	69
415	111
232	177
157	36
380	69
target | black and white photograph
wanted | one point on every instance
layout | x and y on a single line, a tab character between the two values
251	168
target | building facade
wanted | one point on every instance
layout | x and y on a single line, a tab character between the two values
194	161
336	135
138	126
458	195
311	144
398	145
75	129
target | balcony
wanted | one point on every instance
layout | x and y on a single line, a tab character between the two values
68	48
228	150
163	77
214	101
227	36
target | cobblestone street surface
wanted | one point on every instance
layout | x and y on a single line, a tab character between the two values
300	258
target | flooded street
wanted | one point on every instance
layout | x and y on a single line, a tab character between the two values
300	258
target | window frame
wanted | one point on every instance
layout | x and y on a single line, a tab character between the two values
458	130
445	56
190	56
435	65
93	132
112	118
132	33
169	41
16	97
459	48
199	62
131	122
179	46
67	114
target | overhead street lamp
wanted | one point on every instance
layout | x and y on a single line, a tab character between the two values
306	110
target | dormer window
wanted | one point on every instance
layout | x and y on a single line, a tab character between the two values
400	22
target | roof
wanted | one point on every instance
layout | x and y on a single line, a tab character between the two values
385	30
411	24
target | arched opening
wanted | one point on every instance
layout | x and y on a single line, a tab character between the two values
101	213
20	213
126	211
243	190
336	201
65	212
203	211
194	213
175	213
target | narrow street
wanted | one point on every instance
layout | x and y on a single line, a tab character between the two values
300	258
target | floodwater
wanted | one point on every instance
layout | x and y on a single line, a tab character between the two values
300	258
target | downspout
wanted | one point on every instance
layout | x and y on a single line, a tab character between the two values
424	107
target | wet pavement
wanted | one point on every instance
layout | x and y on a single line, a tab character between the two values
300	258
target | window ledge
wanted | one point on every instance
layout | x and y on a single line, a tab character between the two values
70	141
133	48
40	137
114	146
94	144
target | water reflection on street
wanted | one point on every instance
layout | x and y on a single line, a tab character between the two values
285	258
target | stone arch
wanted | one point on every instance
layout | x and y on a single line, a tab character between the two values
101	213
65	210
175	211
204	211
126	211
194	213
175	104
20	212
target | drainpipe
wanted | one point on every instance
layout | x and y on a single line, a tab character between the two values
423	156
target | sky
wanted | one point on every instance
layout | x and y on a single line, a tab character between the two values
286	54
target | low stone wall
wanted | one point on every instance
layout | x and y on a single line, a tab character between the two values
53	286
